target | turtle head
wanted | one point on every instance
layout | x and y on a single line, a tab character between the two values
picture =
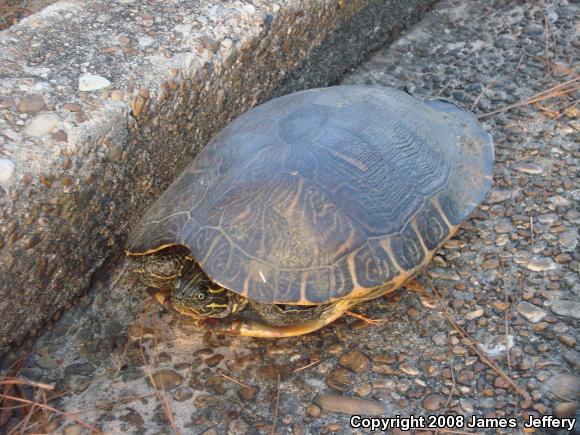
177	280
194	295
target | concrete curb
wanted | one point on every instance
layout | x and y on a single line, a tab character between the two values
104	102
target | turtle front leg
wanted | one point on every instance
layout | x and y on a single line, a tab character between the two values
251	328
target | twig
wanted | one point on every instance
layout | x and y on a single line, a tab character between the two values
22	381
306	366
235	381
24	423
15	9
443	89
122	356
52	409
554	91
549	26
506	302
277	405
519	64
485	14
548	72
470	342
160	395
566	109
474	105
532	234
483	358
454	385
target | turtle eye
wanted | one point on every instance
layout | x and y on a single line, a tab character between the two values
200	296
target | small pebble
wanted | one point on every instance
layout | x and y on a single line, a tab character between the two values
434	402
182	394
166	379
314	410
566	409
529	168
564	386
73	429
497	196
530	312
540	264
567	340
409	369
349	405
570	309
490	264
568	240
354	360
340	379
496	345
213	360
31	104
475	314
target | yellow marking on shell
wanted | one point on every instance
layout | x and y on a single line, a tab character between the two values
354	162
440	211
152	250
294	203
246	287
351	269
386	245
345	246
262	276
213	243
418	234
452	230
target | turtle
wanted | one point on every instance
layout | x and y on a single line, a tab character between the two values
309	204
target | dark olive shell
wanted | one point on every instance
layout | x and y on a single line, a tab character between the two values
324	194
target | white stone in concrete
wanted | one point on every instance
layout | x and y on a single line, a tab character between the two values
91	82
41	125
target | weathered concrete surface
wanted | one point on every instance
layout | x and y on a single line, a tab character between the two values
104	102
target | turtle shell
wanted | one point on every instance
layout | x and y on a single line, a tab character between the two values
324	194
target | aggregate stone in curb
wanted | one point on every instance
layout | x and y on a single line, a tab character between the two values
104	102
